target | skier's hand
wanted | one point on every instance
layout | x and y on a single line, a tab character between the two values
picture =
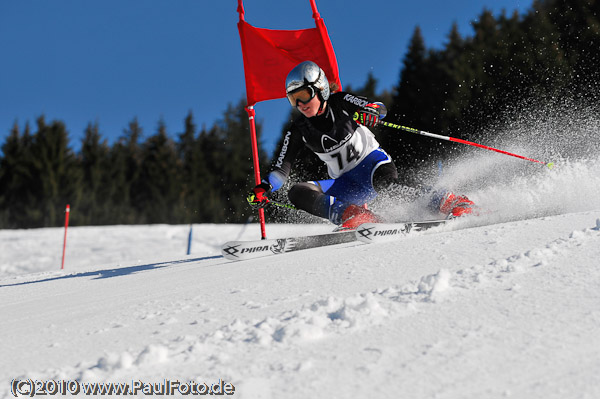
258	197
368	116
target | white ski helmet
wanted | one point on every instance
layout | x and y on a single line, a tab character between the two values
310	75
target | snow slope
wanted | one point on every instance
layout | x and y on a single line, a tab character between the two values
504	305
505	310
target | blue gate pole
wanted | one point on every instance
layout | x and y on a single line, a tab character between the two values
189	248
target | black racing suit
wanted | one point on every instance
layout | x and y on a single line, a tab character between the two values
340	142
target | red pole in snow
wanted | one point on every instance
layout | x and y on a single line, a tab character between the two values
261	211
67	212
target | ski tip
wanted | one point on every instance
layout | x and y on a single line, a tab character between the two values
229	250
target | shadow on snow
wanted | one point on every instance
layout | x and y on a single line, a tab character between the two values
110	273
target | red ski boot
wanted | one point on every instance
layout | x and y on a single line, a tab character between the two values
455	206
355	215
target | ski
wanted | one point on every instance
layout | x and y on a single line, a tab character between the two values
379	232
242	250
367	233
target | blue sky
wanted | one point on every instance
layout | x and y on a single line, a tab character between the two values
110	61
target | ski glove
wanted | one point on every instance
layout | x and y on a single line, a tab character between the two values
369	115
258	197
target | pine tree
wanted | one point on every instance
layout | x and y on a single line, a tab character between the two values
412	79
53	176
578	22
159	187
457	73
234	160
14	176
197	182
415	103
125	160
367	90
482	56
95	206
213	203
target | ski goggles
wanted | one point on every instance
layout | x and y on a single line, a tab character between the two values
303	94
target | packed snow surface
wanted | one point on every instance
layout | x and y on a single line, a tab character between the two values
506	304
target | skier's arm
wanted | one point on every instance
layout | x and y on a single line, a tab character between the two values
280	169
352	102
284	158
368	113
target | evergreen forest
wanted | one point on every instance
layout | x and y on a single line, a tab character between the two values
549	53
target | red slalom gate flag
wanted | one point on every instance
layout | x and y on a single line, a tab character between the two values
269	55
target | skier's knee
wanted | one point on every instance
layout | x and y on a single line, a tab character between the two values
385	176
302	195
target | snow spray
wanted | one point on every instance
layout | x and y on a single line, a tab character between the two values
509	189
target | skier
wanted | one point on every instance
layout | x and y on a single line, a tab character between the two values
335	126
